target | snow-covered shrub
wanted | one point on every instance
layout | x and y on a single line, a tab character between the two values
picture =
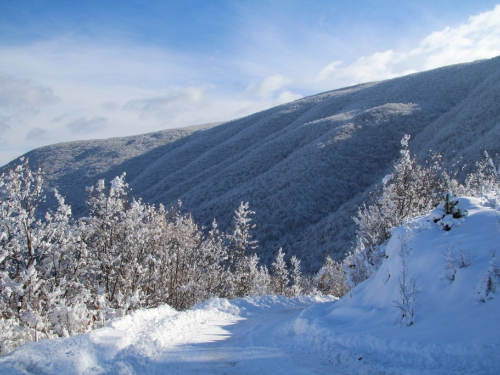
455	260
451	206
40	262
408	288
489	282
360	264
331	278
485	180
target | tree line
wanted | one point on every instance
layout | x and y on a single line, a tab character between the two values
60	276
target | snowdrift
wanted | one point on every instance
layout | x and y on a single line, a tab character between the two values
166	341
453	331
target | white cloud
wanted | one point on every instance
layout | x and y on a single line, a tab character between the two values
271	90
329	70
478	38
268	87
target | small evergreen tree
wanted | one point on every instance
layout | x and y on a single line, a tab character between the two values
297	287
241	245
281	275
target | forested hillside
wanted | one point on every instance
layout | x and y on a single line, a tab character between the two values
305	166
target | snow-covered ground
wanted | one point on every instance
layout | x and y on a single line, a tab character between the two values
453	332
244	336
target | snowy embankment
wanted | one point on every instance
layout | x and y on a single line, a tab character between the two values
453	331
454	328
244	336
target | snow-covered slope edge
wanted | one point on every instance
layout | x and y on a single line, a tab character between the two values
452	333
216	336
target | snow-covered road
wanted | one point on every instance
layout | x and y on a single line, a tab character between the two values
245	336
261	343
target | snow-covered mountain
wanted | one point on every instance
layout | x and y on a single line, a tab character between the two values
455	326
304	166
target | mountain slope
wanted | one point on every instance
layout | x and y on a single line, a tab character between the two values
303	166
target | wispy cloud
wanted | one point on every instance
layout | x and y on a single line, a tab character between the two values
86	125
175	100
23	95
4	124
37	134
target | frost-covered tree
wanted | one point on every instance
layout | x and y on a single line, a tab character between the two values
257	276
410	190
40	262
67	296
105	234
331	278
214	276
241	245
174	264
281	275
297	287
484	181
23	251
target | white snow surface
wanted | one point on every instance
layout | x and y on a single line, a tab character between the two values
245	336
453	332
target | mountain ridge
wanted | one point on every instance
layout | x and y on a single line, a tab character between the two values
304	166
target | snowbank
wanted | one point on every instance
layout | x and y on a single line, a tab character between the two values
146	340
452	331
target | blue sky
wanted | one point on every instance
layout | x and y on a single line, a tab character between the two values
94	69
